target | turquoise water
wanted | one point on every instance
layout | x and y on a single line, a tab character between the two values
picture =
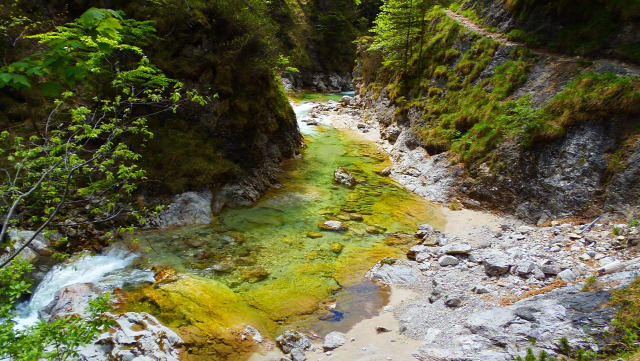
271	265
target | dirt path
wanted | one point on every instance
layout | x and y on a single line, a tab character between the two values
501	38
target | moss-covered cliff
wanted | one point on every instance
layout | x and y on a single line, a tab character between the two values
541	134
227	50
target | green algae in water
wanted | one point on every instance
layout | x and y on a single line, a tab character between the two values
316	97
264	256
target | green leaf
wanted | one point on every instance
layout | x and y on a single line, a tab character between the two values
21	79
74	72
104	47
51	88
109	28
5	77
35	70
92	17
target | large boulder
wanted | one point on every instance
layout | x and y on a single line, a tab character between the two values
71	300
135	336
187	209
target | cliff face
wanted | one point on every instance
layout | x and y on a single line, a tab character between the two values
526	131
592	28
318	37
229	52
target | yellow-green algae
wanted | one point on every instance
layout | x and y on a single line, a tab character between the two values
257	266
209	316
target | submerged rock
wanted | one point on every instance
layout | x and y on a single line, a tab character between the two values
375	229
343	176
165	275
333	226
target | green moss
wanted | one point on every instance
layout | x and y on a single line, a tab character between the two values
585	28
473	117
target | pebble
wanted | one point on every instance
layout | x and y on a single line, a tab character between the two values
448	261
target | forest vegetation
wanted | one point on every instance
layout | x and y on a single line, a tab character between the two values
106	113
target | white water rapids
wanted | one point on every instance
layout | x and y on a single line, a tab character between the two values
106	271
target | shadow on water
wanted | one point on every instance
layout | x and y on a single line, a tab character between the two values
271	267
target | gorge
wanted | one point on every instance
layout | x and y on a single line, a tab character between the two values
466	187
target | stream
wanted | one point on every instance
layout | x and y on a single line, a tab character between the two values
269	266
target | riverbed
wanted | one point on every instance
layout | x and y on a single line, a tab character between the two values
270	266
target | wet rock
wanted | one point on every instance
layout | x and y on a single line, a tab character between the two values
135	336
448	261
336	247
356	217
496	263
225	266
344	217
343	176
333	226
164	275
314	234
375	229
71	300
255	274
334	340
290	340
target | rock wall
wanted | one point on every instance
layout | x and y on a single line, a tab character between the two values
317	82
551	24
574	175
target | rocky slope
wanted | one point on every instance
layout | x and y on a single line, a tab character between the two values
519	133
492	294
